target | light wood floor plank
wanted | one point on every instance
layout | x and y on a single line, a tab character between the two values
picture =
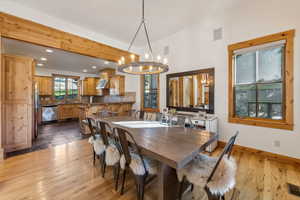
66	172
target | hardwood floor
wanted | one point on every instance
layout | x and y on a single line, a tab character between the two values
53	134
67	172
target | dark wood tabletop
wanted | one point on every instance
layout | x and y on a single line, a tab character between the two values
173	146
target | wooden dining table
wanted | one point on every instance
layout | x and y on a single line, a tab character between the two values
173	147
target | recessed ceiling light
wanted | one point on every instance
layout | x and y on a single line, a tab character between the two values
44	59
94	67
40	64
85	70
106	62
49	50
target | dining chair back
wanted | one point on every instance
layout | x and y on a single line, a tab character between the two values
189	123
134	161
215	190
151	116
102	128
158	116
146	116
123	136
111	157
178	120
98	147
140	114
92	126
226	151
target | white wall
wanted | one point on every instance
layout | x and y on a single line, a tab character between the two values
194	48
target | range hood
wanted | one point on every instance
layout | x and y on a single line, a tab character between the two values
101	84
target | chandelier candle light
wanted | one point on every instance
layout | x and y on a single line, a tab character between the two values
149	64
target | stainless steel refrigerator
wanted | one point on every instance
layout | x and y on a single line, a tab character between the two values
37	110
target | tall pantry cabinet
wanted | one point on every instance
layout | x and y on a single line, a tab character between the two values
17	117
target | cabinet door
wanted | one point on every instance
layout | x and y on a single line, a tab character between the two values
45	85
117	85
88	87
91	86
42	86
64	112
48	85
75	111
68	111
18	102
84	87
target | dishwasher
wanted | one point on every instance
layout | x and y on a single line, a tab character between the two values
49	113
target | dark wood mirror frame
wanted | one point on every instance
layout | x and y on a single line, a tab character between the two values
211	72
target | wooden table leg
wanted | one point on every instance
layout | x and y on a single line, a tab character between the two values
167	183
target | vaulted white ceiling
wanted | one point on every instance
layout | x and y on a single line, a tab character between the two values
119	19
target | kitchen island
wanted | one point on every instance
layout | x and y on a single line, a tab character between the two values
86	109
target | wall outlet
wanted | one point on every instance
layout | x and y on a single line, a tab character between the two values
276	143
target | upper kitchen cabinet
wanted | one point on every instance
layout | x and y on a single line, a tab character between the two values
117	85
45	85
88	87
18	102
107	84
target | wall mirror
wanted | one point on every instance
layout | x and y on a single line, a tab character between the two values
191	90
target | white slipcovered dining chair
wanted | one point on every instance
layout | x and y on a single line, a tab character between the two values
95	140
210	177
98	145
112	153
105	148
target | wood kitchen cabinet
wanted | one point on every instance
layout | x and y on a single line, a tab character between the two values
91	86
17	116
45	85
67	111
88	86
117	85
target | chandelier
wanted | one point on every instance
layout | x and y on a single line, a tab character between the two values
149	64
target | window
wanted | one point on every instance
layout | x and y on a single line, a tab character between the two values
261	81
65	87
150	91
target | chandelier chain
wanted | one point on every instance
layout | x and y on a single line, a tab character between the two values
135	35
143	23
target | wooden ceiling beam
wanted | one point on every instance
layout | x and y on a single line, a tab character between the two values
28	31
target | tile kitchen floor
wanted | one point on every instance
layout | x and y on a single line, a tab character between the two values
53	134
